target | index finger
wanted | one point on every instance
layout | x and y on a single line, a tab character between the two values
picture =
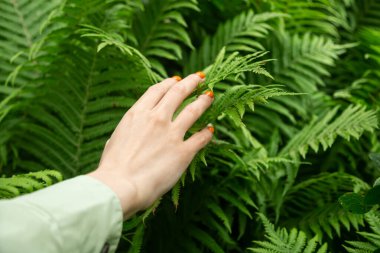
178	92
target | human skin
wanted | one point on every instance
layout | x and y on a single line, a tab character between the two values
147	154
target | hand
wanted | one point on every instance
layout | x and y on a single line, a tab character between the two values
146	154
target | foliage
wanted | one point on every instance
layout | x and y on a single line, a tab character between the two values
281	240
25	183
296	105
372	238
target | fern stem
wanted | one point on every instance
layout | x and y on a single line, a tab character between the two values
83	113
27	34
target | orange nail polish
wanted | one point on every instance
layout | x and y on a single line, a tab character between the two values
201	74
210	127
178	78
209	93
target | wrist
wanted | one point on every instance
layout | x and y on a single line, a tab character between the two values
124	189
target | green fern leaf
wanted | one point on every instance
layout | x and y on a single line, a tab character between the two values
175	193
353	121
304	59
26	183
19	27
205	239
137	240
220	214
372	242
283	241
314	204
239	34
319	16
159	28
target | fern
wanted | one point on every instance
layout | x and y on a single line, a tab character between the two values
89	60
159	28
282	240
320	16
313	203
368	12
365	89
239	34
352	122
372	242
20	24
116	40
25	183
234	65
60	124
137	239
304	60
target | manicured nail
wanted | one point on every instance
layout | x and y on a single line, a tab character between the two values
209	93
210	127
201	74
178	78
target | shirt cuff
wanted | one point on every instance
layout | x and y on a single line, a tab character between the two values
87	213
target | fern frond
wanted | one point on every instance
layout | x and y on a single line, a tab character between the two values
218	211
302	60
137	239
26	183
314	204
114	39
239	34
352	122
160	28
19	24
365	90
175	193
319	17
372	242
205	239
74	116
283	241
233	66
368	13
234	100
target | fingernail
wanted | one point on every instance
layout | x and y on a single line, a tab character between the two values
210	127
178	78
201	74
209	93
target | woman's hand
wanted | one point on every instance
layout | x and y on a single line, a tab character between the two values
147	154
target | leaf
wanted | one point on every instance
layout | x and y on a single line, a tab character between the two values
137	240
375	158
282	240
372	197
29	182
175	194
354	203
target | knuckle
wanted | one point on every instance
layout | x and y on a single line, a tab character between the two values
185	151
179	88
203	140
130	114
194	77
193	111
158	118
155	88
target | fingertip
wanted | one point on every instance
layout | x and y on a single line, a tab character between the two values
200	139
178	78
209	93
210	128
197	77
200	74
206	135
